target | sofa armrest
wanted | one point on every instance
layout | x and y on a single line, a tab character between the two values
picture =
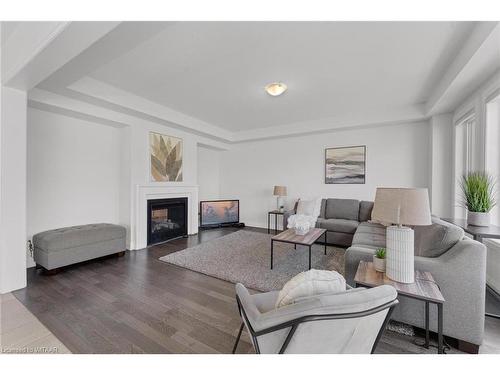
461	276
460	272
465	261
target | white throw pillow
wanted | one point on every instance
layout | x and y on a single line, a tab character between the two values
317	207
309	208
308	284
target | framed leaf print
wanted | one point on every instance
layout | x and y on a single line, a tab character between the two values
166	157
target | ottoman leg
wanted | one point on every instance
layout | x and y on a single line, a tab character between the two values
51	272
121	253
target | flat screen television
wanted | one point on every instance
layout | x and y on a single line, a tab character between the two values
219	212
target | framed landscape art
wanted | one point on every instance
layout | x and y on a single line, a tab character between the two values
345	165
166	157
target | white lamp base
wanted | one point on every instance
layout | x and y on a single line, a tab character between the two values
400	259
280	202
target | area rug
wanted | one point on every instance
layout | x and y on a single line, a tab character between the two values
245	257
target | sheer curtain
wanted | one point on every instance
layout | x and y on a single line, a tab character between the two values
493	149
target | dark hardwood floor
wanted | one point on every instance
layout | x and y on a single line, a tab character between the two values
138	304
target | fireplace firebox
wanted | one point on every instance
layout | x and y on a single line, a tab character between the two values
167	219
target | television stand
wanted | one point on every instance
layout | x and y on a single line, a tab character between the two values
234	225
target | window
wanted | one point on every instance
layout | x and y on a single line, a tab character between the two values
464	156
493	148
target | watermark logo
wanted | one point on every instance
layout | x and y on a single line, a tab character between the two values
30	350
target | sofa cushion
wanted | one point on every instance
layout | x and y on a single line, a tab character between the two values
342	209
80	235
365	210
436	239
339	225
308	284
371	235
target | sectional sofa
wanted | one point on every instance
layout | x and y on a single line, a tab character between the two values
457	263
340	217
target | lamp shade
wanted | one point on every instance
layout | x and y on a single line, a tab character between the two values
402	206
280	191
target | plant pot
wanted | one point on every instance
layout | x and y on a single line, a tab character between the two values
379	264
479	219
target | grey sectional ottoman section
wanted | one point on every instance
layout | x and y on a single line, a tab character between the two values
64	246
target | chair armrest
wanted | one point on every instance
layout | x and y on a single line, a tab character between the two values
346	302
247	303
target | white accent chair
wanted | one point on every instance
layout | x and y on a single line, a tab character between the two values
348	322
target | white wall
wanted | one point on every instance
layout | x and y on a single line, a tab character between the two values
12	189
441	162
208	173
397	155
73	172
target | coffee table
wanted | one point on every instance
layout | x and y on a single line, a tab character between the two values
308	240
424	289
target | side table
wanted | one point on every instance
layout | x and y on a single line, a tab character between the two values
424	289
276	213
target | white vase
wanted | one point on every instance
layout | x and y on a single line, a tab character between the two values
301	231
478	219
379	264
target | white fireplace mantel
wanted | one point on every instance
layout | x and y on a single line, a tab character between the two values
143	193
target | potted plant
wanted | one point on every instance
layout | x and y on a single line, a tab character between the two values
379	259
478	197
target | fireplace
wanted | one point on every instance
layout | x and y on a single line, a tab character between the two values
167	219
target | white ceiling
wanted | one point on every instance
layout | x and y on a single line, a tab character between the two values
216	71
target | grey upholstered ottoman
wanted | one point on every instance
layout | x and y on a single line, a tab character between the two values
64	246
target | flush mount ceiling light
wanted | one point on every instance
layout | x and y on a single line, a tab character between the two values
276	88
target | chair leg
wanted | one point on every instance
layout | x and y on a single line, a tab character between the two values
238	338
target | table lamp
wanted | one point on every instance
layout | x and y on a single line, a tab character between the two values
400	207
280	192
